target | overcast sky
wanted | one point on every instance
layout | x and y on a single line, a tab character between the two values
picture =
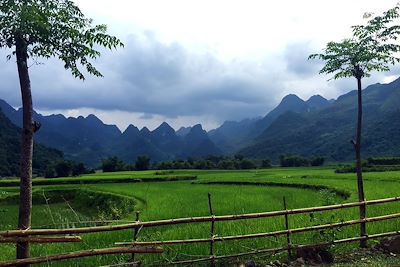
192	61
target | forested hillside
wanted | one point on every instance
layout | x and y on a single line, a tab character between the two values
10	146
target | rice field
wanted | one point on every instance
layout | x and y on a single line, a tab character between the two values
232	192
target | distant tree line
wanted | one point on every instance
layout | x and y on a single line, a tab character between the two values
373	165
114	164
297	161
66	168
384	161
237	162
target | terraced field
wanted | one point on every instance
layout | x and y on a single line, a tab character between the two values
71	202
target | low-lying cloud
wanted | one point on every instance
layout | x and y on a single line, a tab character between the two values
161	80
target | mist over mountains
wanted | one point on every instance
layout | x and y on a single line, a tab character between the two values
89	140
315	127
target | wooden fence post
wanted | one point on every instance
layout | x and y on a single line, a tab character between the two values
363	226
289	244
212	232
135	233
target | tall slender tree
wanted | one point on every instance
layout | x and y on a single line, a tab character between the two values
373	47
44	29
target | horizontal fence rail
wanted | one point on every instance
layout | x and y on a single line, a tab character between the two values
259	235
190	220
42	240
62	235
81	254
281	249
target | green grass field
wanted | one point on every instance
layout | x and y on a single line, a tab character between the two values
174	194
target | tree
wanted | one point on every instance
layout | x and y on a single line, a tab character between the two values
112	164
371	48
142	163
78	169
266	163
63	168
44	29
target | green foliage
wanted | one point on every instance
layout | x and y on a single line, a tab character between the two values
297	161
54	28
65	168
238	162
327	132
10	145
142	163
384	161
317	161
373	47
293	161
112	164
246	164
266	163
368	168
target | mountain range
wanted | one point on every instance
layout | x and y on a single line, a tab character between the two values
328	129
89	140
315	127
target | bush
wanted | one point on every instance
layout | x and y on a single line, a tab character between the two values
246	164
293	161
317	161
384	161
142	163
63	169
266	163
112	164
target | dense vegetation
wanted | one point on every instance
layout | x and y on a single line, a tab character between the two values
297	161
327	131
373	165
10	147
237	162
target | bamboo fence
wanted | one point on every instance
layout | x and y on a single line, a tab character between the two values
108	228
35	235
280	249
259	235
81	254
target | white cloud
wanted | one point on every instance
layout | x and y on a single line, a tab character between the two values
188	61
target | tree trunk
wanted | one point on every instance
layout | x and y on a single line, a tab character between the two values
25	204
357	147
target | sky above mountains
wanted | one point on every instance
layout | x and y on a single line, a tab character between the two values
189	62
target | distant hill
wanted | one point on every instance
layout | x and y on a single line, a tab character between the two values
81	139
232	136
327	131
165	144
10	148
315	127
89	140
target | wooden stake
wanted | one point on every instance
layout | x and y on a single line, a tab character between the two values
81	254
288	230
135	233
212	256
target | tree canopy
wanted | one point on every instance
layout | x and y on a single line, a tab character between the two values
373	47
54	28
